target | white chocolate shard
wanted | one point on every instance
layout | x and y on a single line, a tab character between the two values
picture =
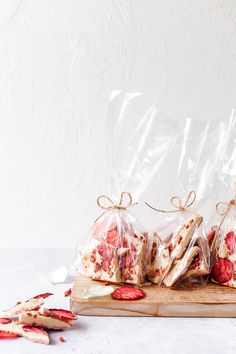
180	267
32	333
160	259
181	240
32	304
34	318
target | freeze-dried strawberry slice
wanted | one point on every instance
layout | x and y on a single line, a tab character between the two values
113	237
105	265
8	335
105	251
128	293
60	313
222	270
230	240
127	260
4	320
42	296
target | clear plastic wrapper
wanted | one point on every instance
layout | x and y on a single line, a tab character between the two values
224	245
222	235
179	252
138	139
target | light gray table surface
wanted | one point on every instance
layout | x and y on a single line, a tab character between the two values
21	277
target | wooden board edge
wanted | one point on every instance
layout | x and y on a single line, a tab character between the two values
160	310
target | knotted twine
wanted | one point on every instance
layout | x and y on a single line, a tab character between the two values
124	203
177	203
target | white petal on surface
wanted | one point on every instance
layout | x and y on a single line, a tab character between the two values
58	275
97	291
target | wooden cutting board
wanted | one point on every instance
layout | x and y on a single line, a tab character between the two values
210	301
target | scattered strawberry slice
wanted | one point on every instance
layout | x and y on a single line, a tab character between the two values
61	339
222	270
230	240
32	304
128	293
8	335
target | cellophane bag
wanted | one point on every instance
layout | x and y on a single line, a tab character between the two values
222	235
137	141
179	254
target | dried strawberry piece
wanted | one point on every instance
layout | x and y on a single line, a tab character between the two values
42	296
63	314
128	244
230	240
112	237
105	265
61	339
127	277
105	251
5	320
68	292
8	335
92	258
97	267
106	283
157	273
127	260
222	270
180	238
128	293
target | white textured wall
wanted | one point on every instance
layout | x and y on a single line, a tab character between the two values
59	60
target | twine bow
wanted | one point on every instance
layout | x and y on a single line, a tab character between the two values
125	202
176	202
